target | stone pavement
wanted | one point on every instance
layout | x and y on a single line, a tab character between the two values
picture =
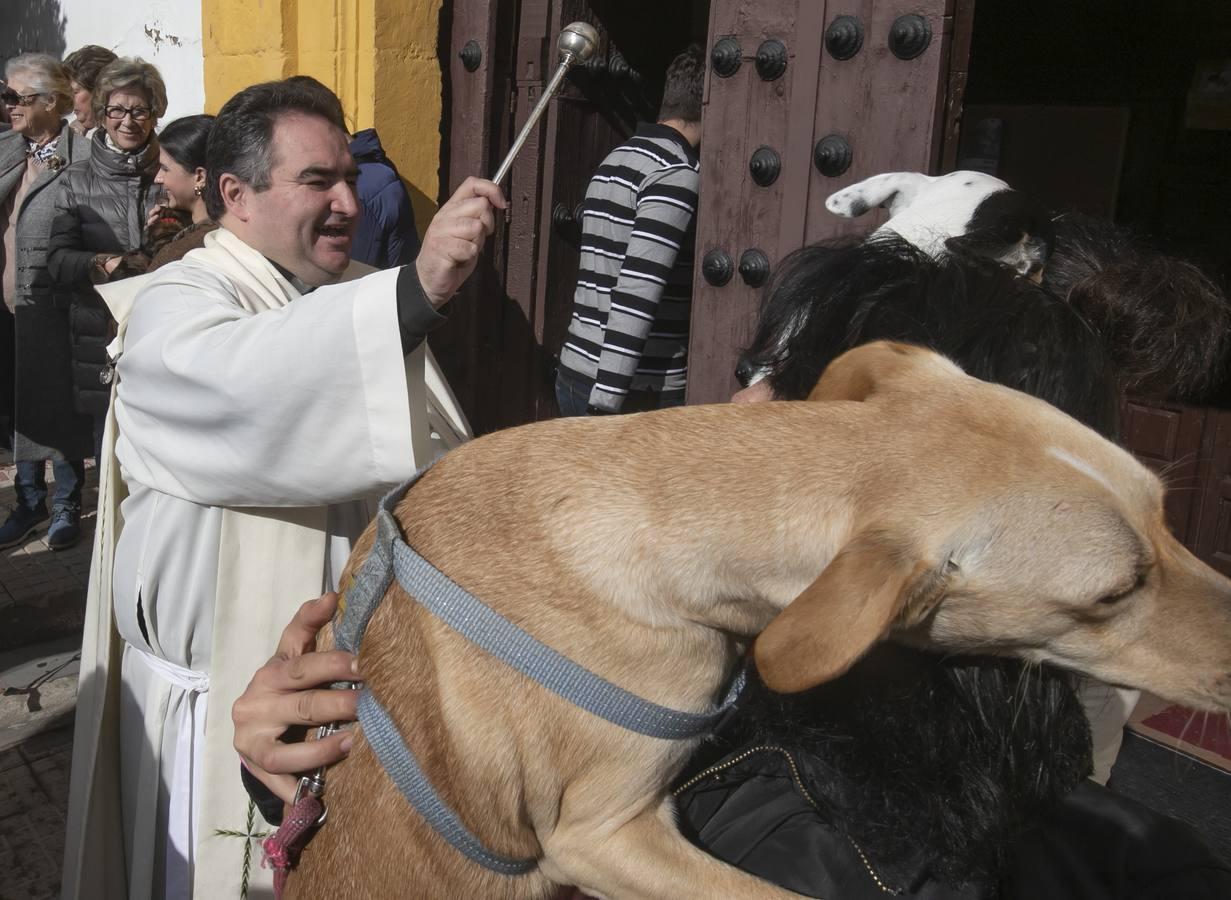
42	599
33	798
42	592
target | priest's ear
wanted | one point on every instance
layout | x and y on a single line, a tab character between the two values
235	195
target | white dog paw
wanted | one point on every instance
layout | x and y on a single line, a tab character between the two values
850	203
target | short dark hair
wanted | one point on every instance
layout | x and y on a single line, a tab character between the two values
241	140
186	140
684	86
84	64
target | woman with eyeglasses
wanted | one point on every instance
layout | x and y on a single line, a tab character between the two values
101	217
36	363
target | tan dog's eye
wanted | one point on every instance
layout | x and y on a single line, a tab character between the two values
1113	599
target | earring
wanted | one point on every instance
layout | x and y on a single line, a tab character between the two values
198	190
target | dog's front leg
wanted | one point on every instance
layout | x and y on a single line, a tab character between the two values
648	859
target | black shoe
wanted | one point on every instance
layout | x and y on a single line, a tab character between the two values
20	524
65	530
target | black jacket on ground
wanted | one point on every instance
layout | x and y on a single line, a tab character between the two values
754	810
102	208
940	778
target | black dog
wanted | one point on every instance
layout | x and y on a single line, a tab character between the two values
1164	326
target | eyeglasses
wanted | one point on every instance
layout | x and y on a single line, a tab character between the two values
139	113
10	97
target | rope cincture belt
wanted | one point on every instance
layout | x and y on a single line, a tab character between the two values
474	620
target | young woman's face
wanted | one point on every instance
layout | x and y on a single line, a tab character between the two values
180	183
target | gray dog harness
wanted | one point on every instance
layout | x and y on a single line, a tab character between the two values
390	558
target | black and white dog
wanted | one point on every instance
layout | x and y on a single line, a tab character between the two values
964	239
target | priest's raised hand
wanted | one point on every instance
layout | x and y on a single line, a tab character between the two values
455	238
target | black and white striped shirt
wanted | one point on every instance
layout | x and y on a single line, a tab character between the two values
629	329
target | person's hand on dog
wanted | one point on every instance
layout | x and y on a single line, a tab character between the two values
455	238
292	690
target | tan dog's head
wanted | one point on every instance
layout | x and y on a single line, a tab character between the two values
1006	527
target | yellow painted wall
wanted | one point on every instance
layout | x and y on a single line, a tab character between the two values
378	56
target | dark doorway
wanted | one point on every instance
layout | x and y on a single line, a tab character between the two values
1115	108
500	346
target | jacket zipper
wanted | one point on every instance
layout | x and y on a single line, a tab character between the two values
799	784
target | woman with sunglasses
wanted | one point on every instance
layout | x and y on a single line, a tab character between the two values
34	159
101	214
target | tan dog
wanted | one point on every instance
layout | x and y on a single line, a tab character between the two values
652	548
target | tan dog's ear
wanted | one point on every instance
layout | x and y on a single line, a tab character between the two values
873	582
861	372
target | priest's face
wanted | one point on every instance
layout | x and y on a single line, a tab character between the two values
306	219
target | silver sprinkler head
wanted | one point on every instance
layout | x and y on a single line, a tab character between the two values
577	42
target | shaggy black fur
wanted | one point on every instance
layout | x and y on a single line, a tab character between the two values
1163	326
998	326
1166	325
930	762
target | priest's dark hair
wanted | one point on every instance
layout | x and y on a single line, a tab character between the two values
241	140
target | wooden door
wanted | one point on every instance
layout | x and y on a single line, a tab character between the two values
506	330
836	90
478	91
1168	438
890	113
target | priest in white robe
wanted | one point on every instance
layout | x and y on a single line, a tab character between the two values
268	391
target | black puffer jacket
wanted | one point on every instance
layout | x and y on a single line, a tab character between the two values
102	208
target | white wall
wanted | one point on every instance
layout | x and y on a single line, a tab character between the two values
166	33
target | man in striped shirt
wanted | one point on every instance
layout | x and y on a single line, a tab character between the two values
627	344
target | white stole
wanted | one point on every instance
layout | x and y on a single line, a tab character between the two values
270	561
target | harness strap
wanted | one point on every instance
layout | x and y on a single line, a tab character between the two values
496	635
487	629
385	739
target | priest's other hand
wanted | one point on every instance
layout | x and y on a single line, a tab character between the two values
455	238
287	692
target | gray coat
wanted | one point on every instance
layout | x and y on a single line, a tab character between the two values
46	423
101	207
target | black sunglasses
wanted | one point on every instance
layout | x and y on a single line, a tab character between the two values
10	97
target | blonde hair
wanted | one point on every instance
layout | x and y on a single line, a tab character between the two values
130	73
46	76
